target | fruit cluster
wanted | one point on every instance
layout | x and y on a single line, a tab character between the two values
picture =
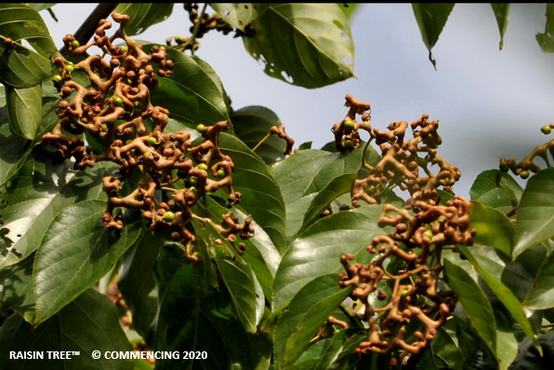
527	165
121	125
408	260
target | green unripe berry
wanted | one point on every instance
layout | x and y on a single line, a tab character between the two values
193	190
348	144
221	173
202	166
69	68
152	140
405	292
546	129
428	234
123	48
349	124
57	78
179	39
193	180
168	216
524	174
441	219
75	44
201	128
118	102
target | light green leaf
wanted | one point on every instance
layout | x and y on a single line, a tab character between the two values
501	12
535	214
25	110
143	15
492	226
307	312
350	9
474	302
20	66
541	294
76	252
505	295
16	288
431	18
546	39
193	91
308	45
496	189
261	196
239	15
90	322
316	252
13	150
252	124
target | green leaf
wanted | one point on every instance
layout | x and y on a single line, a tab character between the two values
16	285
492	226
143	15
308	45
431	18
474	302
349	9
193	91
445	351
541	294
193	315
546	39
36	195
496	189
137	282
239	15
501	12
13	150
19	66
252	124
25	110
307	312
90	322
76	252
261	196
505	295
316	252
535	214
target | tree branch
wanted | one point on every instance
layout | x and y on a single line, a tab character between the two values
86	31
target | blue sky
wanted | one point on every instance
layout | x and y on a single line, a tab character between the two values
490	103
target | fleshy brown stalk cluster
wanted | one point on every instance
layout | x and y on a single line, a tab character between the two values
408	260
121	125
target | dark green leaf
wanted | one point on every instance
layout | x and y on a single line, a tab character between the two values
252	124
137	282
90	322
493	227
76	252
239	15
546	39
474	302
541	294
316	252
193	91
535	214
12	150
431	18
308	45
25	110
501	12
446	351
505	295
36	195
261	196
496	189
193	315
19	66
143	15
307	312
16	285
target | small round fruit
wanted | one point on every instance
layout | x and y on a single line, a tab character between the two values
75	44
428	234
349	124
349	144
57	78
193	181
193	190
546	129
152	140
168	216
118	101
202	166
221	173
524	174
201	128
69	68
123	48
